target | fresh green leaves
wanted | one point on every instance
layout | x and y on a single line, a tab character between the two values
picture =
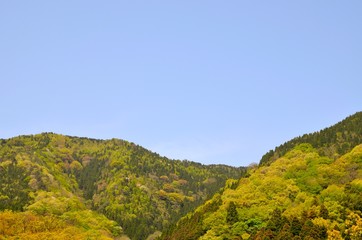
301	195
62	176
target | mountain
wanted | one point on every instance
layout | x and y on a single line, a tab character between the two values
60	187
333	141
307	188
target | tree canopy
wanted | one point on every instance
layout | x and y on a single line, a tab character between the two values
143	193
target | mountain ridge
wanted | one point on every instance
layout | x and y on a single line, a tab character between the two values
140	190
65	187
337	137
301	190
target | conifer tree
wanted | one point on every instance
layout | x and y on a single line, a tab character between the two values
323	212
232	214
296	226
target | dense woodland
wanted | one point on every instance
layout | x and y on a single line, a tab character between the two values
59	187
79	187
333	141
303	194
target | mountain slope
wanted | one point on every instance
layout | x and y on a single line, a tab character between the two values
303	194
333	141
79	181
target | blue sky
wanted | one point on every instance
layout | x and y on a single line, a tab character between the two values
208	81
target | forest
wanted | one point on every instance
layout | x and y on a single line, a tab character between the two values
332	141
309	188
60	187
104	188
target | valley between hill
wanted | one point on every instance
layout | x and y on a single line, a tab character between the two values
60	187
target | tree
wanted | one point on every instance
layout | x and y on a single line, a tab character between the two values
307	227
276	222
323	212
285	233
232	214
296	226
14	188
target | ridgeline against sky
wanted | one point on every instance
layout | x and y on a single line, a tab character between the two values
59	187
207	81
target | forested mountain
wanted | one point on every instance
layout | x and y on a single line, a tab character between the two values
333	141
308	188
60	187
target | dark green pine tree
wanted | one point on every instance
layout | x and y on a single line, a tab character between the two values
285	233
318	232
232	214
296	226
323	212
14	187
276	221
311	231
307	227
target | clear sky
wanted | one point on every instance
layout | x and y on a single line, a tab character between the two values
209	81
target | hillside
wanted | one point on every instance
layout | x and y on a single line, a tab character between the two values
61	187
311	188
333	141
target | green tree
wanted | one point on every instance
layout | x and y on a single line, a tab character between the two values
276	221
14	188
232	214
285	233
296	226
323	212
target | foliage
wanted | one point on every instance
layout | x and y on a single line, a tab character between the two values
231	214
303	194
66	177
60	187
332	142
14	198
27	225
